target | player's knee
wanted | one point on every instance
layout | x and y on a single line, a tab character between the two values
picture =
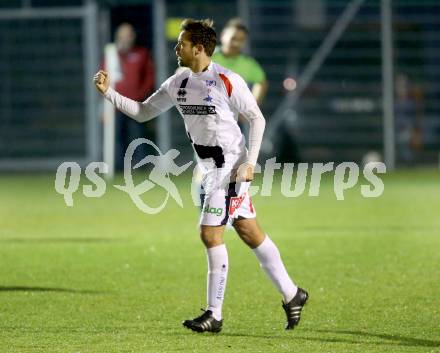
210	237
211	241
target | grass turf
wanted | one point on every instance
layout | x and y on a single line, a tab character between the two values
104	277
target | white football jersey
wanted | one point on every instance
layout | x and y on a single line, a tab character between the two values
209	103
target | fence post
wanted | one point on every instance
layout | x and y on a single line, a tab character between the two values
161	62
387	85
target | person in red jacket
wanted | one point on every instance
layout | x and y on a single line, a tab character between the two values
136	81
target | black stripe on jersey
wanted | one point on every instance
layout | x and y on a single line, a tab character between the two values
184	82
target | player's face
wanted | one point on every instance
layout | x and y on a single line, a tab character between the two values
184	50
233	40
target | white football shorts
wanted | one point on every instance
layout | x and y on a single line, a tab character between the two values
226	204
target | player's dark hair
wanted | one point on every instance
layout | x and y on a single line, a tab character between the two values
201	32
237	23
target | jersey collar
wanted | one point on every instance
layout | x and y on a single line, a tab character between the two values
200	74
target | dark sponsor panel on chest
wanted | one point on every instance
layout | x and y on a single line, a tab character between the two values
193	109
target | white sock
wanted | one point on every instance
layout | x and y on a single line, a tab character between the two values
217	274
270	260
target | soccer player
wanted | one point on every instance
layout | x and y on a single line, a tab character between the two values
209	99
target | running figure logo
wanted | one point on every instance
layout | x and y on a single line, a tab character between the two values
163	166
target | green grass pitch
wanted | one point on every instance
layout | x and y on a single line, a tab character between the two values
103	277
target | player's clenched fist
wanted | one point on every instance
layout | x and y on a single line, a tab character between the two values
101	81
245	172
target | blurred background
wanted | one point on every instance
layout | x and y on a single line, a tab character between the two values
348	80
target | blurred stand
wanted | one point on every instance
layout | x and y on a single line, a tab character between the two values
408	106
47	102
328	55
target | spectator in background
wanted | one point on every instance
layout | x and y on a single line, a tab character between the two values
408	106
233	40
229	54
135	81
